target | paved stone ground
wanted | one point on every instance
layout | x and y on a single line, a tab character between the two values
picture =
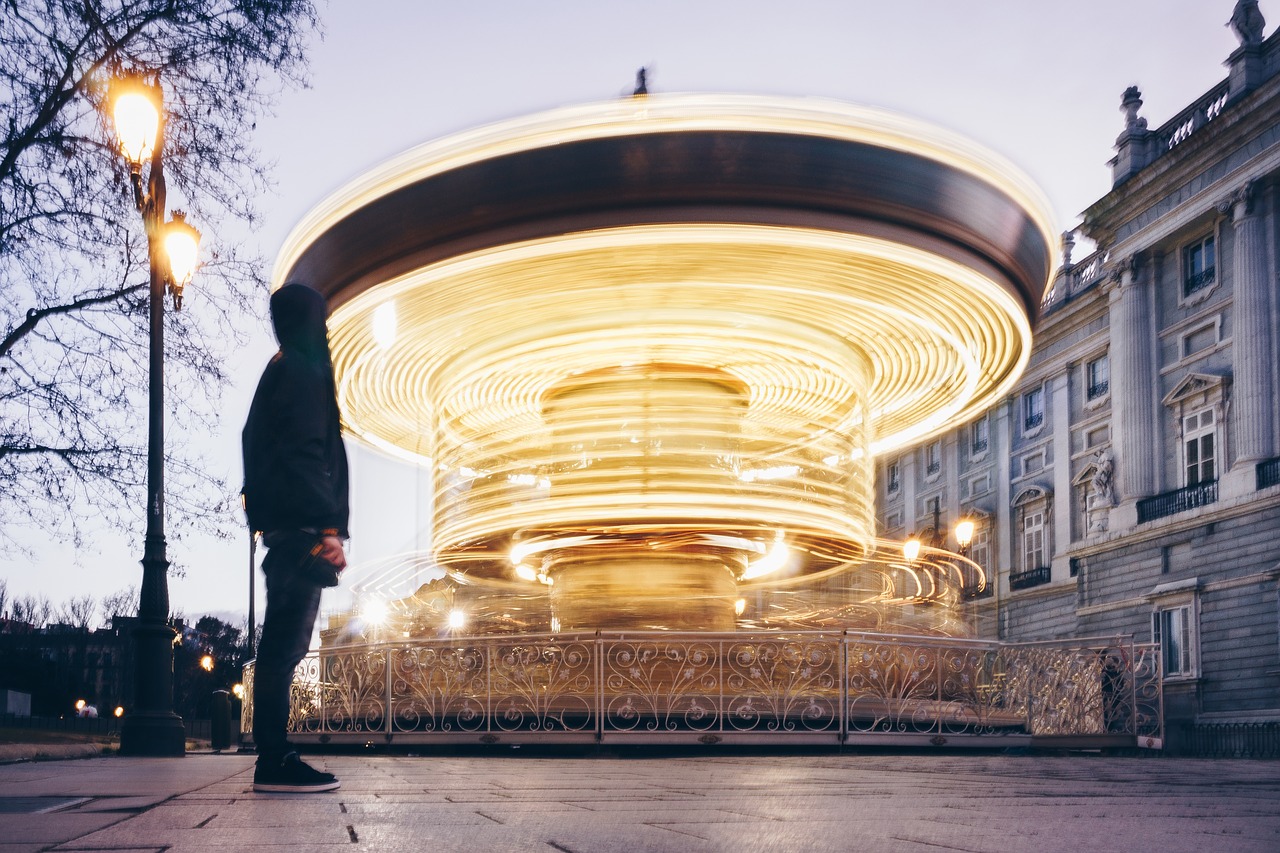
824	802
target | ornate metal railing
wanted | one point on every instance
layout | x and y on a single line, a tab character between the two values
1198	281
1029	578
1269	473
1236	740
1179	500
744	688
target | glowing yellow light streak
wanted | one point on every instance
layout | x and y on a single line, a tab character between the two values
663	412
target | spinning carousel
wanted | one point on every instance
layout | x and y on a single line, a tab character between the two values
648	351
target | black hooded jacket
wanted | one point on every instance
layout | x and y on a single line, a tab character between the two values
295	466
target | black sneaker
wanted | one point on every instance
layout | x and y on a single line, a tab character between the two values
292	776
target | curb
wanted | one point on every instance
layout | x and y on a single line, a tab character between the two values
11	753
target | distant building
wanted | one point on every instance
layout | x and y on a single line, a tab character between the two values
58	664
1132	483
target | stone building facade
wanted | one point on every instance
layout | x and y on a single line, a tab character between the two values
1131	484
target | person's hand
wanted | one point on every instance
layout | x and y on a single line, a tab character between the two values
331	552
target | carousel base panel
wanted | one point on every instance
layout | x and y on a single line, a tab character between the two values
729	689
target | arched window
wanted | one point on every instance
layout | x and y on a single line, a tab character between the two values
1033	531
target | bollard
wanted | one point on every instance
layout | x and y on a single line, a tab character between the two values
220	721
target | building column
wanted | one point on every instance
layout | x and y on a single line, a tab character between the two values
1060	447
907	471
1001	442
1133	375
1251	338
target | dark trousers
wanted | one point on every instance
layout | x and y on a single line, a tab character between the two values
292	604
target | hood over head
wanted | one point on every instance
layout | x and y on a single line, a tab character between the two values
298	314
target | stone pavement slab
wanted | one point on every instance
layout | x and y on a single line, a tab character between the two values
695	803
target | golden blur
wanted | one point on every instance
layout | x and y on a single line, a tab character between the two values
672	425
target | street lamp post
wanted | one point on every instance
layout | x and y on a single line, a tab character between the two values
935	538
151	727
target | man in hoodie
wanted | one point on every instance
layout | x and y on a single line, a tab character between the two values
295	493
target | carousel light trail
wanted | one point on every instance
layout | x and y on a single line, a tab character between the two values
650	349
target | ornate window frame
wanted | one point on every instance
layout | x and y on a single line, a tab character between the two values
1033	500
893	477
1097	391
979	445
1030	416
1175	624
932	460
1198	393
1209	278
982	546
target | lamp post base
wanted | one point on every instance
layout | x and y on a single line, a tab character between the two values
152	727
153	735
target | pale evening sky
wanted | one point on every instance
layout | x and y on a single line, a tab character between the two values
1037	82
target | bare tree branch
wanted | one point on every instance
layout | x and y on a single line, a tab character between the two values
73	258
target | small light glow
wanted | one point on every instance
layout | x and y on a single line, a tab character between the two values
182	247
777	472
911	549
237	690
740	606
137	123
206	663
374	611
457	619
119	712
770	562
384	325
525	573
964	532
80	703
555	624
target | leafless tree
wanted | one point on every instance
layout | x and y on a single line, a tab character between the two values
4	597
122	602
78	612
33	610
73	261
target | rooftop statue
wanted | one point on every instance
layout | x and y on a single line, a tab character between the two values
1247	22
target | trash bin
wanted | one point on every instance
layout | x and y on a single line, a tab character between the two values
220	721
